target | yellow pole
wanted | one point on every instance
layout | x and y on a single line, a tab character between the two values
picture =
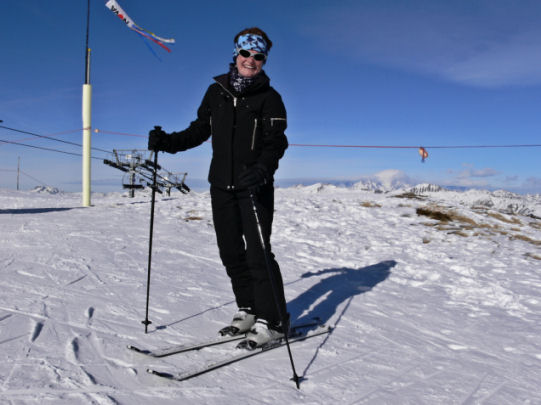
87	118
87	125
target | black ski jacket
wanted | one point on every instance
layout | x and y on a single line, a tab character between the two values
246	129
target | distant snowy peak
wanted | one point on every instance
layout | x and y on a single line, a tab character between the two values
46	189
499	200
369	185
505	201
426	188
379	187
315	188
372	185
385	181
506	194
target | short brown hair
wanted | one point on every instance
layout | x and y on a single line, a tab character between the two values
256	31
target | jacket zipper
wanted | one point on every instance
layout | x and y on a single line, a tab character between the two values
231	94
253	134
231	185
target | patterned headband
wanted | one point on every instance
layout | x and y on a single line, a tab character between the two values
252	42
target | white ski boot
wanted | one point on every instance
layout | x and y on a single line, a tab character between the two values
261	335
241	323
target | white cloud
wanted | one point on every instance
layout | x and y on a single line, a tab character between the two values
511	179
391	177
489	178
486	43
533	184
515	60
471	172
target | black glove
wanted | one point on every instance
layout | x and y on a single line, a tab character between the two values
158	140
253	177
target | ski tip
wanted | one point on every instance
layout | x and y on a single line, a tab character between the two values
159	373
247	345
229	331
138	350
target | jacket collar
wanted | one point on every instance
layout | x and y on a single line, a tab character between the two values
262	82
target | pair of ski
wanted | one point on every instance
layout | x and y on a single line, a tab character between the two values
296	335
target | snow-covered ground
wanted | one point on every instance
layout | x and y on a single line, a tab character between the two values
435	298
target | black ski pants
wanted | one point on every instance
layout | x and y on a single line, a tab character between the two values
241	251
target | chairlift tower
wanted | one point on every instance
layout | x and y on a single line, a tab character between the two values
139	171
134	161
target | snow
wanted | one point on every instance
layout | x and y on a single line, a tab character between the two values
424	311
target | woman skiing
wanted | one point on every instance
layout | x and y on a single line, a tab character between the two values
247	119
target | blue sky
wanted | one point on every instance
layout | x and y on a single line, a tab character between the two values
420	73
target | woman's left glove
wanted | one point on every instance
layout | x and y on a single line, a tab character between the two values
253	177
158	140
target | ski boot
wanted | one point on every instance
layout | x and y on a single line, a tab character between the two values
241	323
262	334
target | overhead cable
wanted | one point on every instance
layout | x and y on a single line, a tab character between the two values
53	139
48	149
365	146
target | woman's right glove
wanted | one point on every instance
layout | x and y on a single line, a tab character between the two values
158	140
253	178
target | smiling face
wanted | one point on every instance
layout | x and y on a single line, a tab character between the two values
249	67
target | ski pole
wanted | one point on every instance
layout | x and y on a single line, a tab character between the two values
274	288
146	322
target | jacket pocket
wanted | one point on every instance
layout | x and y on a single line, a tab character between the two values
278	119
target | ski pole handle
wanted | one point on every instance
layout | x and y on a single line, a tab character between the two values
157	129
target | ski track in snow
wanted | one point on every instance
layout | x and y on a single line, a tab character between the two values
422	315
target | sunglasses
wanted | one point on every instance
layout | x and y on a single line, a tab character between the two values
257	56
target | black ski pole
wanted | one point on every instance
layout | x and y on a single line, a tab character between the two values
146	322
274	288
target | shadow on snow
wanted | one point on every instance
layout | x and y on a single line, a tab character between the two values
323	298
34	210
341	285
